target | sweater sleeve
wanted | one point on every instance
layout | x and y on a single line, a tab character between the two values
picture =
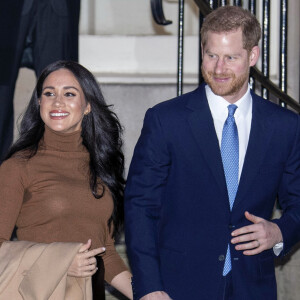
113	263
11	196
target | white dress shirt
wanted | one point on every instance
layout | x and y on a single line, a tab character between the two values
243	117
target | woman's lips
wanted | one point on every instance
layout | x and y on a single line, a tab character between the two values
57	115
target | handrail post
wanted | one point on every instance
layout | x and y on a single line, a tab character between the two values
252	9
180	47
283	49
213	4
252	6
266	44
237	2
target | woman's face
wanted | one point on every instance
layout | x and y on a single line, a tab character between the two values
62	103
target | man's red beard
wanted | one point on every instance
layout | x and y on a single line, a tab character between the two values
225	88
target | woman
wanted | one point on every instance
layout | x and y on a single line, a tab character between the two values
62	180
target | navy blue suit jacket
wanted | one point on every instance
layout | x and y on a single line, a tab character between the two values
177	215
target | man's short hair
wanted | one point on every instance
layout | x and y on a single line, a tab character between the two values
231	18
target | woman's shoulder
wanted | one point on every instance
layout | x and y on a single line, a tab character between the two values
15	170
16	162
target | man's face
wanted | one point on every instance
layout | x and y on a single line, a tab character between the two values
226	64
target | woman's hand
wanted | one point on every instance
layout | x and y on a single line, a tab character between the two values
84	263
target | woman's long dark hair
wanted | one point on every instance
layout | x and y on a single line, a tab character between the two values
101	135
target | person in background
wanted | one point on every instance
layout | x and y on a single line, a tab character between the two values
34	33
62	180
204	177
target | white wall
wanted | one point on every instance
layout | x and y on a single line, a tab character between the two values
138	59
133	17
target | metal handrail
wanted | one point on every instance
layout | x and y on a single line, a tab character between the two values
203	7
273	89
158	13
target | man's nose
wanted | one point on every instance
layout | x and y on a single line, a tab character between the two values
219	67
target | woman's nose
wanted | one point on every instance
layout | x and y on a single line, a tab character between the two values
59	101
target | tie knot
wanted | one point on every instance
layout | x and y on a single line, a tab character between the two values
231	110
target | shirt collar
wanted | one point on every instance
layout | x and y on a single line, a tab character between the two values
218	105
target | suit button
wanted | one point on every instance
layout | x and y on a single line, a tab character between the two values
230	226
221	257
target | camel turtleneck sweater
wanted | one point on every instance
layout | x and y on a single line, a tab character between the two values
49	199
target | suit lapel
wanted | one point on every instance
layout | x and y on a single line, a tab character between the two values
260	135
202	126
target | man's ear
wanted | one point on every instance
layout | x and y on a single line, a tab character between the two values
253	56
202	47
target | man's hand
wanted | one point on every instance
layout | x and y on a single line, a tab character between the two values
259	236
156	296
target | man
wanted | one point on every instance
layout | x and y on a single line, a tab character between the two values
205	175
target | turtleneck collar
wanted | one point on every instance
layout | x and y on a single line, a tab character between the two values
64	142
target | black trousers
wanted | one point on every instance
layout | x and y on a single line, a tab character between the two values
98	281
47	31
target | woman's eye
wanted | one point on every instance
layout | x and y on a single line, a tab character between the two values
69	94
48	94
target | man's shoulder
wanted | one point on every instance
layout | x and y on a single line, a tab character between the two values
179	103
273	108
279	118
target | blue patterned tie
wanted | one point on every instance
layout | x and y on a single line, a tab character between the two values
230	159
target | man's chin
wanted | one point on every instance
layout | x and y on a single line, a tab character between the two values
220	91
